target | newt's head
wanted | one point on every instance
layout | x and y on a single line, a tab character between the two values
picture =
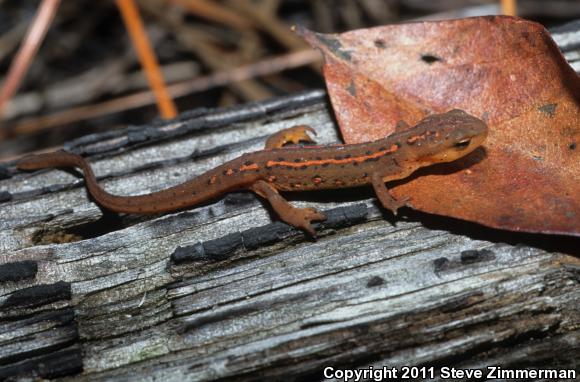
446	137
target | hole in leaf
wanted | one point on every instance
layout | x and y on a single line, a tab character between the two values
429	58
380	44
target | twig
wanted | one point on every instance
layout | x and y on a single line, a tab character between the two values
205	45
133	101
214	11
257	69
24	56
508	7
134	24
265	19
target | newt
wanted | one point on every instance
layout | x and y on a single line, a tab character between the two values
436	139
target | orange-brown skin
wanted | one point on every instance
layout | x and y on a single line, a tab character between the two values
438	138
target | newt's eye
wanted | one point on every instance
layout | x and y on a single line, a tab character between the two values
462	144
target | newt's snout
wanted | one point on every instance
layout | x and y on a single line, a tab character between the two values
450	136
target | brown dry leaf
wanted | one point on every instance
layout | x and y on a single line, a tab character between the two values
504	70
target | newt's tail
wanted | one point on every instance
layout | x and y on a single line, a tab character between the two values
187	194
50	160
64	159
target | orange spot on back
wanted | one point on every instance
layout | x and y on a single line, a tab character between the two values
250	167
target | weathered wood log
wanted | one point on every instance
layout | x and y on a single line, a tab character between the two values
223	292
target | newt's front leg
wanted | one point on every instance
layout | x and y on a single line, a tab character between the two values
297	217
295	134
384	196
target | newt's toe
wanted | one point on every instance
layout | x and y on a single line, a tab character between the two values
309	129
313	215
403	202
305	216
300	134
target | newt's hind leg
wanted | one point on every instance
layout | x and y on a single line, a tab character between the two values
293	134
384	196
297	217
